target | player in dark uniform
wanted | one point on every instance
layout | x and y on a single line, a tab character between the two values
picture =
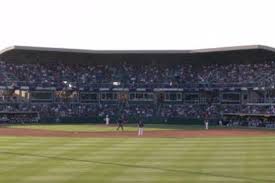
120	124
125	119
140	127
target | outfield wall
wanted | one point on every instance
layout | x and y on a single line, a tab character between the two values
130	120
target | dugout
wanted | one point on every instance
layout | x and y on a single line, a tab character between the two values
19	117
241	119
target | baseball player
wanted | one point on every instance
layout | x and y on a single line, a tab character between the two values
120	124
206	117
140	127
206	124
220	122
107	120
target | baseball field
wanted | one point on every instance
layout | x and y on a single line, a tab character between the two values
95	153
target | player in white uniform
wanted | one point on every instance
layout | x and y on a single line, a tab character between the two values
107	120
220	122
206	124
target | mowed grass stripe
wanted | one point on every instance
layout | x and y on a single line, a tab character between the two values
108	167
73	162
21	165
99	127
62	167
240	164
122	160
156	164
55	150
113	165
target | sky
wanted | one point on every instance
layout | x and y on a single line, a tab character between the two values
137	24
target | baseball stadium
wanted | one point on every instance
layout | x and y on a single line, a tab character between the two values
185	116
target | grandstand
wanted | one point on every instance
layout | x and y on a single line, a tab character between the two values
235	84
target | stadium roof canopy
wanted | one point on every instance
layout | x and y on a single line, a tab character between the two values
238	54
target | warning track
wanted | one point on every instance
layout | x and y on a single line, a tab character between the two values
23	132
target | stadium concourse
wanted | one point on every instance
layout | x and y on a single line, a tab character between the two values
234	85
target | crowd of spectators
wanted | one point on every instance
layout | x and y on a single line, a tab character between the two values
134	75
249	122
59	75
80	110
248	109
146	110
185	111
165	112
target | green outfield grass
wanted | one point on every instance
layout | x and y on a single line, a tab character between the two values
183	160
102	127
